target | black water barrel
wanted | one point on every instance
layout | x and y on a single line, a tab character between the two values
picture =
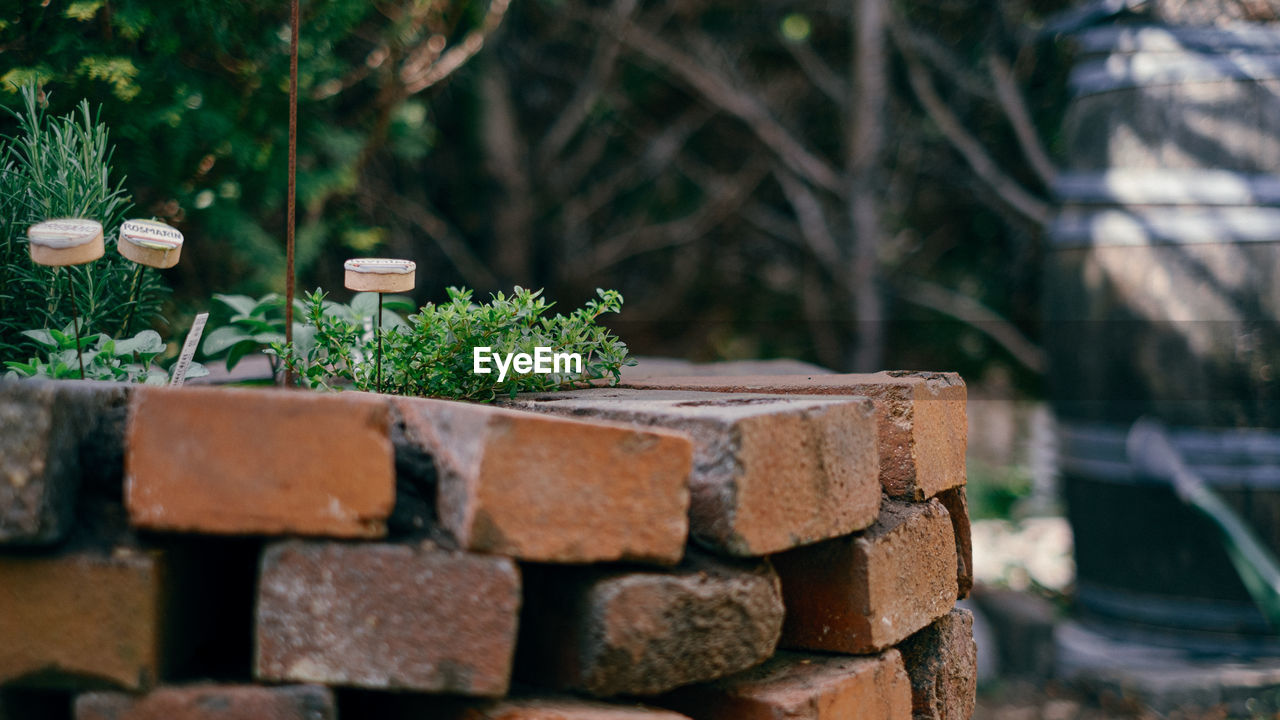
1162	299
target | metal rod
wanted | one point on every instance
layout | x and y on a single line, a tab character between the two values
75	320
293	171
379	332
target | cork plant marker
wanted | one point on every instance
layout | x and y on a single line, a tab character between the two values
151	243
63	242
380	275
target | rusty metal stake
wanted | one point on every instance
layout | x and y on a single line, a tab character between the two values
293	171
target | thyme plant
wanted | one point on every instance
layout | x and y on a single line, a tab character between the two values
431	355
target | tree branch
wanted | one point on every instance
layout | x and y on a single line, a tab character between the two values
451	243
1030	206
588	92
719	92
1015	109
976	315
417	77
818	72
811	220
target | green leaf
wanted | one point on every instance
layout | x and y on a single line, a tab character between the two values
223	338
145	342
241	304
44	337
238	351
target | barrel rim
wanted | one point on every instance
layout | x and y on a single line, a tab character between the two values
1161	186
1227	458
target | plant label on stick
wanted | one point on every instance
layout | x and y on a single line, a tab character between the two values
65	241
150	242
188	351
380	275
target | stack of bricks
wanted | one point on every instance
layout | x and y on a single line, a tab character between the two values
701	547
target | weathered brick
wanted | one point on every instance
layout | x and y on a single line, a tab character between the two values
82	617
655	367
794	686
45	428
387	616
769	473
923	428
957	505
239	461
550	489
640	633
561	709
211	702
869	591
942	661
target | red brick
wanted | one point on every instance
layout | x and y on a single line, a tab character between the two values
554	490
47	426
75	618
870	591
769	473
562	709
237	461
923	429
957	505
211	702
386	616
942	661
641	633
793	686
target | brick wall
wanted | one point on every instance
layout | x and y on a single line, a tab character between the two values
698	547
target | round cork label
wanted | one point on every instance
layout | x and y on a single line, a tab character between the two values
64	232
151	234
386	266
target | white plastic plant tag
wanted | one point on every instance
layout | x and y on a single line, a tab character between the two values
188	351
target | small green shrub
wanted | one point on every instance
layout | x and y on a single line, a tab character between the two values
130	360
430	355
249	325
61	167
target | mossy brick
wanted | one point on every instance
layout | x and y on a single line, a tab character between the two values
769	473
870	591
550	489
611	632
242	461
799	686
52	433
942	661
386	616
83	619
211	702
923	428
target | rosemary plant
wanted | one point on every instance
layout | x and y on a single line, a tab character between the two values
61	167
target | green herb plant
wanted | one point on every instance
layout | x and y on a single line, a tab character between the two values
130	360
61	167
431	355
253	325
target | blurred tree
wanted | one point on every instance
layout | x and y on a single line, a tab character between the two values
793	180
860	183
